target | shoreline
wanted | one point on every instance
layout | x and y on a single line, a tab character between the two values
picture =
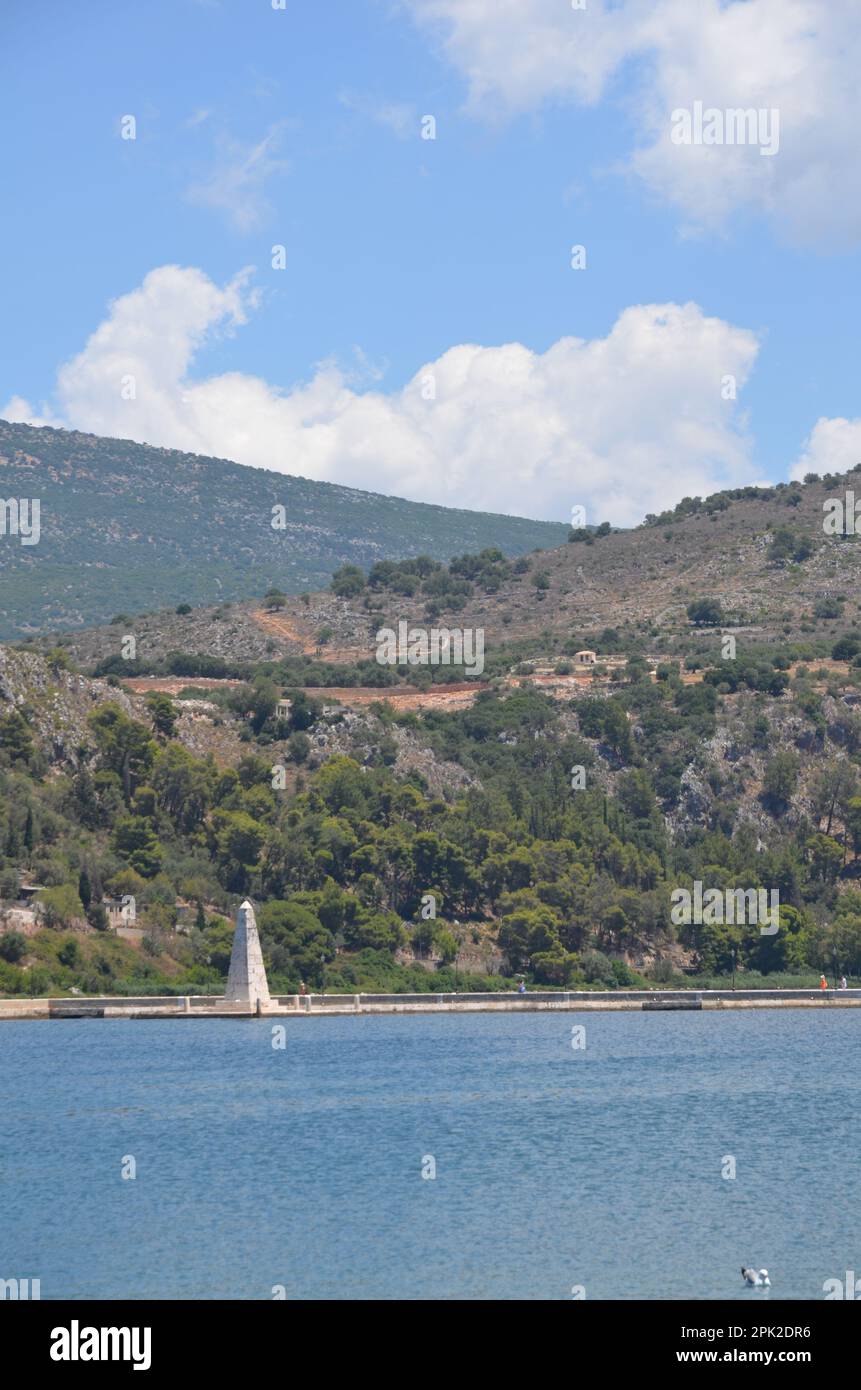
338	1005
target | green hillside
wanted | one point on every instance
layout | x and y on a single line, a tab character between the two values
126	527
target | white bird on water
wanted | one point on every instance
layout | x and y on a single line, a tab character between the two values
756	1277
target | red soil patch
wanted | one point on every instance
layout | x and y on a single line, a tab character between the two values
277	624
456	696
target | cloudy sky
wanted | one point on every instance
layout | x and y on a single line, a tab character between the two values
280	269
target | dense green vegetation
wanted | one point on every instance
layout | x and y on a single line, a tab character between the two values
443	587
566	874
589	534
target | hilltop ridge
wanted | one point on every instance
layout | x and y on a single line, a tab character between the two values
128	527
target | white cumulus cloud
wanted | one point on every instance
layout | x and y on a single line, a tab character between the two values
20	412
799	57
624	424
833	446
516	54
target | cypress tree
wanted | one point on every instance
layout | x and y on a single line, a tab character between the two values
12	849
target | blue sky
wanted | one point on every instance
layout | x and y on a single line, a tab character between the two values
400	250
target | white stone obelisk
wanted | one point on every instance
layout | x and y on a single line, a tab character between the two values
246	979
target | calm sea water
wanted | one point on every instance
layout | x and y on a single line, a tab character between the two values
554	1167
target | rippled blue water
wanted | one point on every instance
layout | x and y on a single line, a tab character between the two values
554	1167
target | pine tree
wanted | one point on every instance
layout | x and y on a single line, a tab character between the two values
15	737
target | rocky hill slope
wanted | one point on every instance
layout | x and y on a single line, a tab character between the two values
761	555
